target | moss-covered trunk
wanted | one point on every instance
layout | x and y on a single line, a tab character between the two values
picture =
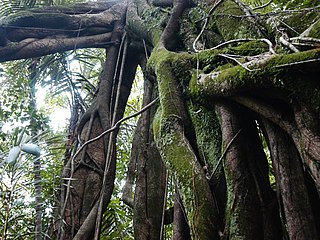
172	130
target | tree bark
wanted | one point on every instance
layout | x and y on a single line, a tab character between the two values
291	187
181	230
251	212
149	194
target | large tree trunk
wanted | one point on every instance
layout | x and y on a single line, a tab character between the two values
291	186
149	194
251	212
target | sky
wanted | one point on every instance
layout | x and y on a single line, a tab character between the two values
59	116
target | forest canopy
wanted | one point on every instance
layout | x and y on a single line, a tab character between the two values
223	143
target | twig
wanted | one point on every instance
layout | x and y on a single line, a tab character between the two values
269	14
116	126
145	48
254	19
205	25
297	63
224	154
237	61
245	40
305	39
262	6
286	25
309	45
288	44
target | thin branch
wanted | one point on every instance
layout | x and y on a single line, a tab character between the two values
271	50
237	61
145	49
286	25
116	126
297	63
205	25
262	6
224	153
289	45
305	39
269	14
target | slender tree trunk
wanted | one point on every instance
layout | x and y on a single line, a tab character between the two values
291	186
149	195
181	230
36	159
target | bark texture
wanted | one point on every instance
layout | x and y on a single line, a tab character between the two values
291	185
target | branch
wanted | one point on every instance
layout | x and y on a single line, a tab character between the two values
205	25
60	20
283	40
237	61
116	126
226	82
224	154
168	36
269	14
254	19
262	6
78	8
30	48
305	41
267	41
297	63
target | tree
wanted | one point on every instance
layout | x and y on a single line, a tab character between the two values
24	129
221	79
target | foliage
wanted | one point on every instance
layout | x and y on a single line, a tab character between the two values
17	193
19	118
70	78
297	3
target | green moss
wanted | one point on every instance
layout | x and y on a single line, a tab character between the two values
248	48
170	94
208	133
181	69
26	19
210	60
156	123
230	27
180	159
300	22
281	71
315	31
195	89
269	73
175	148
